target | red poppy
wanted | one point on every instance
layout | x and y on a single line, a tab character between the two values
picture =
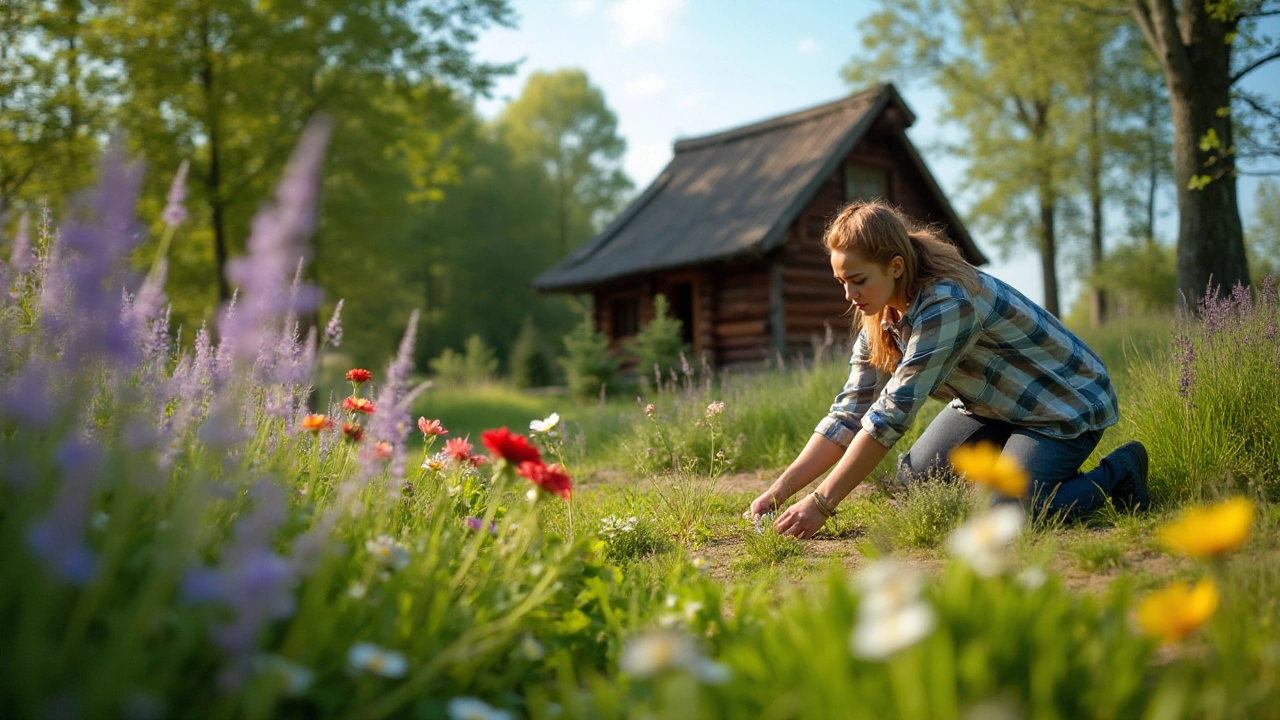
551	478
359	376
316	423
353	431
458	449
431	427
515	449
382	450
360	404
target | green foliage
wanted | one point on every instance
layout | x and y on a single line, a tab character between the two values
1097	553
658	345
1140	278
480	365
766	548
561	124
529	365
588	364
449	367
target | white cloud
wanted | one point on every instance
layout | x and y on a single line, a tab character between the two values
581	7
638	21
647	85
807	46
692	99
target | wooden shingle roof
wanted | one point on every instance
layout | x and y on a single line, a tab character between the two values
733	193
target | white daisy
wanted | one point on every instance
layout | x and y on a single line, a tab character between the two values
379	661
388	552
982	542
879	637
663	650
887	586
546	425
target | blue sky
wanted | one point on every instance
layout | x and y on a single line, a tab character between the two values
678	68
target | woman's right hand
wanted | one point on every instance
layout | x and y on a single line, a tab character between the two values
769	502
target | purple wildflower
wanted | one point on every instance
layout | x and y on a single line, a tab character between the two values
275	247
251	580
175	212
58	537
476	524
392	421
333	331
20	255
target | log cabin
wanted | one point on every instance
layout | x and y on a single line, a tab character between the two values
730	231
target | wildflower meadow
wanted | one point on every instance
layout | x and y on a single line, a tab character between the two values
195	522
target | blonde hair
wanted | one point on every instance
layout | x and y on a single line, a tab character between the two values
877	232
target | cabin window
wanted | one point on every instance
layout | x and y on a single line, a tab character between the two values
625	317
862	182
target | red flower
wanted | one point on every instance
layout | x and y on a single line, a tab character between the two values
360	404
431	427
382	450
551	478
515	449
353	431
359	376
458	449
316	423
477	460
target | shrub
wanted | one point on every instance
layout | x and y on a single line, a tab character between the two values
658	345
588	365
449	367
480	365
529	365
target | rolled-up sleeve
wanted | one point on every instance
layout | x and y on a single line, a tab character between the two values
860	390
944	330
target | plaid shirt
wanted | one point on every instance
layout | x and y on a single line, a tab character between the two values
994	354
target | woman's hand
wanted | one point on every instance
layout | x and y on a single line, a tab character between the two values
767	504
801	520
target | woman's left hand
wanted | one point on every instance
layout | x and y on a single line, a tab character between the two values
801	520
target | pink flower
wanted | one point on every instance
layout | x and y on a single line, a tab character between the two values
458	449
431	427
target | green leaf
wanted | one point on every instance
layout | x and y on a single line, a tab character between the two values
1209	141
1198	182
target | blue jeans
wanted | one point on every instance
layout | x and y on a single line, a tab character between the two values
1054	465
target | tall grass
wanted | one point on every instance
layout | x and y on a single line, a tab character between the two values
1209	412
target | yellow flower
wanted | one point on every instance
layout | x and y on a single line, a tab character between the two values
1177	611
985	465
1210	531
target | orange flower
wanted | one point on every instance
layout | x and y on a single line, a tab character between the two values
353	431
551	478
359	404
1177	611
1210	531
316	423
431	427
984	464
383	450
359	376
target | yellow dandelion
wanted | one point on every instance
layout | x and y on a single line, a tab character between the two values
1210	531
1177	611
984	464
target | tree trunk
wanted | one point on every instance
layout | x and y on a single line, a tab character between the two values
1048	247
214	178
1098	305
1195	56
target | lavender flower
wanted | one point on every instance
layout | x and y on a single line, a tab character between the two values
476	524
20	255
392	421
333	331
1269	304
275	247
175	212
253	582
1214	311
